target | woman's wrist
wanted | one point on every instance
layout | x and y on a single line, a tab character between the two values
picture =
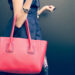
25	10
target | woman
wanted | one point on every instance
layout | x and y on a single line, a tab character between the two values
28	9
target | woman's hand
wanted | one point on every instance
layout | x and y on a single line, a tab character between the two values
50	8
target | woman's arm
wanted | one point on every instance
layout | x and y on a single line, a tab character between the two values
47	7
18	9
41	10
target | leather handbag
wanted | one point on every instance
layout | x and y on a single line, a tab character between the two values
21	55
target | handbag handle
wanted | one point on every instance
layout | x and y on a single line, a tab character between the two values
10	45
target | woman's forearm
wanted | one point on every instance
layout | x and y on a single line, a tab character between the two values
41	10
21	16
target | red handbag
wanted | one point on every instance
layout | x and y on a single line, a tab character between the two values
21	55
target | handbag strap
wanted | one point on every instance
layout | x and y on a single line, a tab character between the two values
30	50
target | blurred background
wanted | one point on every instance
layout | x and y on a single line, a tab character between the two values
58	28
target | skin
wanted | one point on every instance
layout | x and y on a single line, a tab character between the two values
21	16
46	7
